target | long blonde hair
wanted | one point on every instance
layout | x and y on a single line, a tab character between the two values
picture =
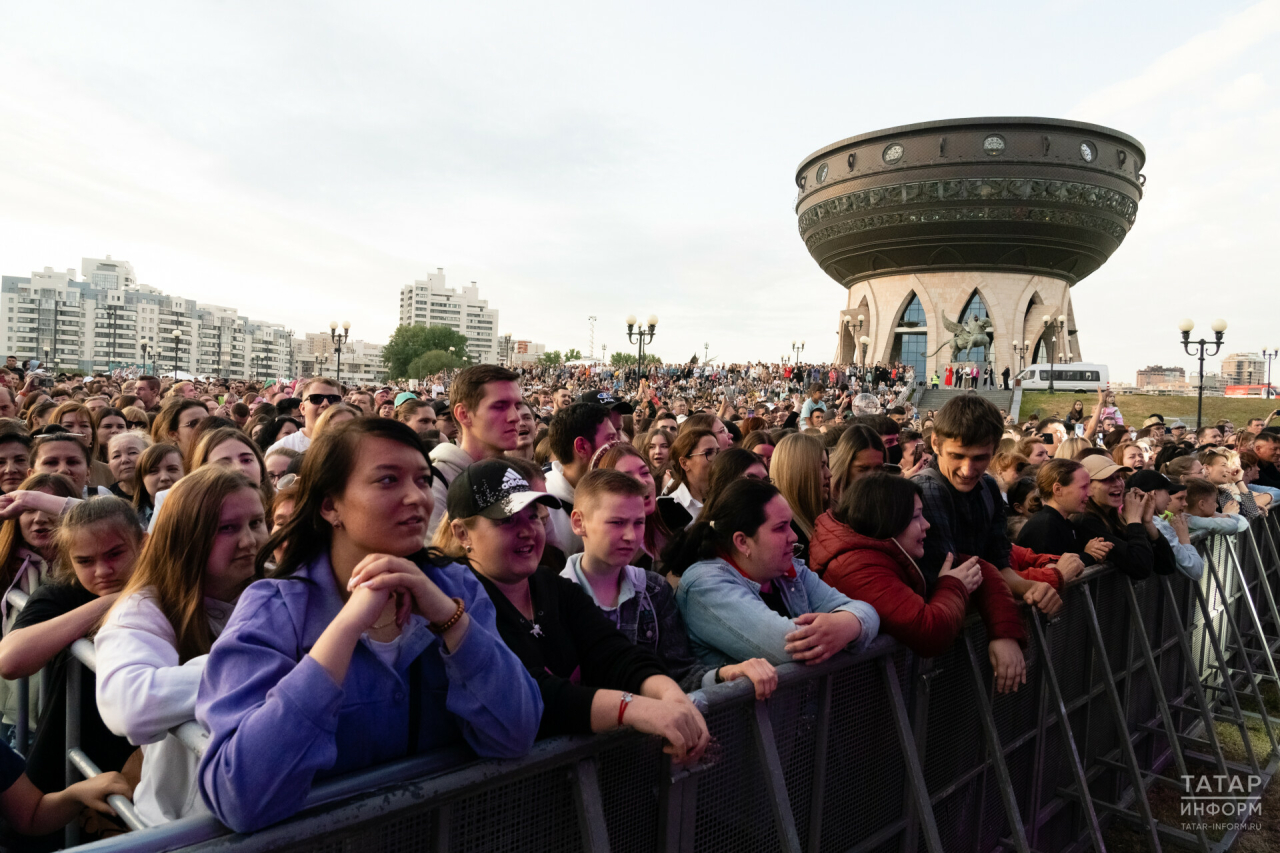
796	469
1070	448
172	565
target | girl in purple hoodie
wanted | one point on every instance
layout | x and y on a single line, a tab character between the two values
361	647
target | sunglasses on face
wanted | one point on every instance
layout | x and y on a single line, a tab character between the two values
137	424
318	399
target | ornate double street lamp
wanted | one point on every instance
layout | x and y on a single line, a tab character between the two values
1198	348
1021	353
338	341
641	337
797	350
1060	327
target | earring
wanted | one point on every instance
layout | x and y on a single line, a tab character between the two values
468	549
337	525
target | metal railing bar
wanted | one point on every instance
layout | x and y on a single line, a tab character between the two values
1166	717
1244	659
1121	721
124	808
1253	616
818	784
996	753
440	838
775	780
915	775
590	806
72	832
1064	726
1216	647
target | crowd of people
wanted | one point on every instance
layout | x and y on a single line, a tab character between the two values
327	578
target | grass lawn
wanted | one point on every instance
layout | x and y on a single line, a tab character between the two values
1136	407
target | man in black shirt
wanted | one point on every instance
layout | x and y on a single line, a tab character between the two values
962	502
1267	448
1064	490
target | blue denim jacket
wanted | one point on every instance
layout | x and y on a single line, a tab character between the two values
729	622
278	721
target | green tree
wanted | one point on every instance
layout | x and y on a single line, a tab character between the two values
431	362
573	355
550	359
626	359
409	342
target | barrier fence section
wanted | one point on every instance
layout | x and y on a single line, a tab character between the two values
881	751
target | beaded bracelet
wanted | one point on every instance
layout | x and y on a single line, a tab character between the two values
441	627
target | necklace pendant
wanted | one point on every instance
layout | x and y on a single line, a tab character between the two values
536	630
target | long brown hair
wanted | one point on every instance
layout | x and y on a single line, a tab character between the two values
147	463
11	533
167	421
209	442
326	468
107	510
684	445
172	565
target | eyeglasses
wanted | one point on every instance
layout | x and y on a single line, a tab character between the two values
137	424
317	399
709	453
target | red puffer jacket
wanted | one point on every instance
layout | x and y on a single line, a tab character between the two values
878	572
1037	567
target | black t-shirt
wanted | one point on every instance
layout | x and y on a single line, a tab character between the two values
46	767
571	649
11	767
115	489
1268	475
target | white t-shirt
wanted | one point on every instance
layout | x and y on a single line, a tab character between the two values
293	441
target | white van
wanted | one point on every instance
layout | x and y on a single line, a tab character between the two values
1075	378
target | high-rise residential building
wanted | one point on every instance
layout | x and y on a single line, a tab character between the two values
1244	368
1158	375
108	320
524	353
430	303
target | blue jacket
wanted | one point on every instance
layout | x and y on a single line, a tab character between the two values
728	621
278	722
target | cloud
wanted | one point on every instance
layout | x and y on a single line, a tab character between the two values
1186	64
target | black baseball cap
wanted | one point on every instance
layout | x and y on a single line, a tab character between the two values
1149	481
606	399
494	489
442	408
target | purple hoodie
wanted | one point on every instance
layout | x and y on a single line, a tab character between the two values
278	722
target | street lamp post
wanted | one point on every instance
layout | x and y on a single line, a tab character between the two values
177	337
640	336
321	360
1021	353
706	348
1218	326
866	343
143	347
853	330
338	341
1060	327
288	335
796	350
1269	355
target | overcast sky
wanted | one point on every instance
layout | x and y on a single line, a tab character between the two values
302	161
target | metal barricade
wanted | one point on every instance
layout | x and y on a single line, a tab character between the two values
875	752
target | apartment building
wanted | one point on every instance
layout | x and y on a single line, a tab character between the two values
105	320
430	302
